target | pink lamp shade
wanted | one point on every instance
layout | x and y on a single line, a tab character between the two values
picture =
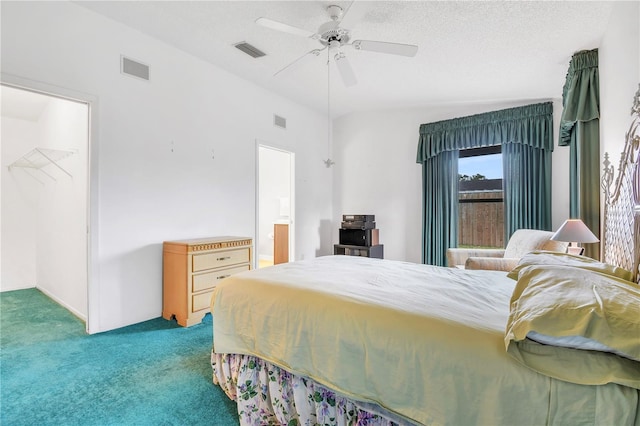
574	231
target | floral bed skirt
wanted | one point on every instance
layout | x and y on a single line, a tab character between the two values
268	395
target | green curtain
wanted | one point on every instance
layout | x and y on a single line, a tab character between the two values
526	187
440	205
438	146
580	129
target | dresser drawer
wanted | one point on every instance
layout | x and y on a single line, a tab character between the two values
218	259
209	279
201	301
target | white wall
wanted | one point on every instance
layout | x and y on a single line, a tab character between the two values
376	171
275	184
61	216
20	193
172	158
619	67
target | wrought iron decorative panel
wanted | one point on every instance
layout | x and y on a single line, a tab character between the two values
622	201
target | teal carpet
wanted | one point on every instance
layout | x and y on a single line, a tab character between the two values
152	373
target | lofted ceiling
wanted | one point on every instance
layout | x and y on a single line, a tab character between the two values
469	51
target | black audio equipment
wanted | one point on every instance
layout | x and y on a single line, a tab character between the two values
356	224
359	237
359	217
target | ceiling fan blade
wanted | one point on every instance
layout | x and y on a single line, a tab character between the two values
345	70
310	54
385	47
279	26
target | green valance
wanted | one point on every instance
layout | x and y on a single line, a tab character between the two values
580	93
530	125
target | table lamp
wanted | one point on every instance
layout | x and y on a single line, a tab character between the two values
574	231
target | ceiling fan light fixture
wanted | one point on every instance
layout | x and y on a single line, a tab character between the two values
330	31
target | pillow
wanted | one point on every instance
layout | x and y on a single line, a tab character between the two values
491	263
601	313
555	258
576	342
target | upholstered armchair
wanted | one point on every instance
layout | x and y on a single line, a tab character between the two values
521	242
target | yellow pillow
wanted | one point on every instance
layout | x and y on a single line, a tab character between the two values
563	301
555	258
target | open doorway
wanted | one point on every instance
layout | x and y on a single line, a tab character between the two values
44	196
275	205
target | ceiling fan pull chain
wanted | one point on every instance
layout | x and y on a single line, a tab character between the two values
328	162
328	107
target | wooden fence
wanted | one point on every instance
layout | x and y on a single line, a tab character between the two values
481	219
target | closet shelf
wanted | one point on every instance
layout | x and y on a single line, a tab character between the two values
37	158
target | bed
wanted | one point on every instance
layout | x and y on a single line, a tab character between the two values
349	340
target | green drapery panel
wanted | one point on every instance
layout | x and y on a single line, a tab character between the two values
438	146
440	206
580	129
526	187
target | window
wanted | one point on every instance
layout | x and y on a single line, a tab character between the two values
480	197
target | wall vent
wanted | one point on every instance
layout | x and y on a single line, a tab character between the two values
250	50
279	121
134	68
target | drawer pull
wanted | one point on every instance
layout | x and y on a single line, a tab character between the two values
223	258
223	276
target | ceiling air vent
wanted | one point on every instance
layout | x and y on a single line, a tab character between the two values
279	121
250	50
134	68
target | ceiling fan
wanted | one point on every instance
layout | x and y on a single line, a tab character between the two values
333	37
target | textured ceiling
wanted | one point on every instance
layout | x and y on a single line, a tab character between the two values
469	51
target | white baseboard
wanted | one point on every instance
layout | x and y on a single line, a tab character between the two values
265	257
63	304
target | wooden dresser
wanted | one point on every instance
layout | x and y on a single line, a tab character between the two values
192	268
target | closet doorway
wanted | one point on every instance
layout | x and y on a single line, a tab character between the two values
44	196
276	206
